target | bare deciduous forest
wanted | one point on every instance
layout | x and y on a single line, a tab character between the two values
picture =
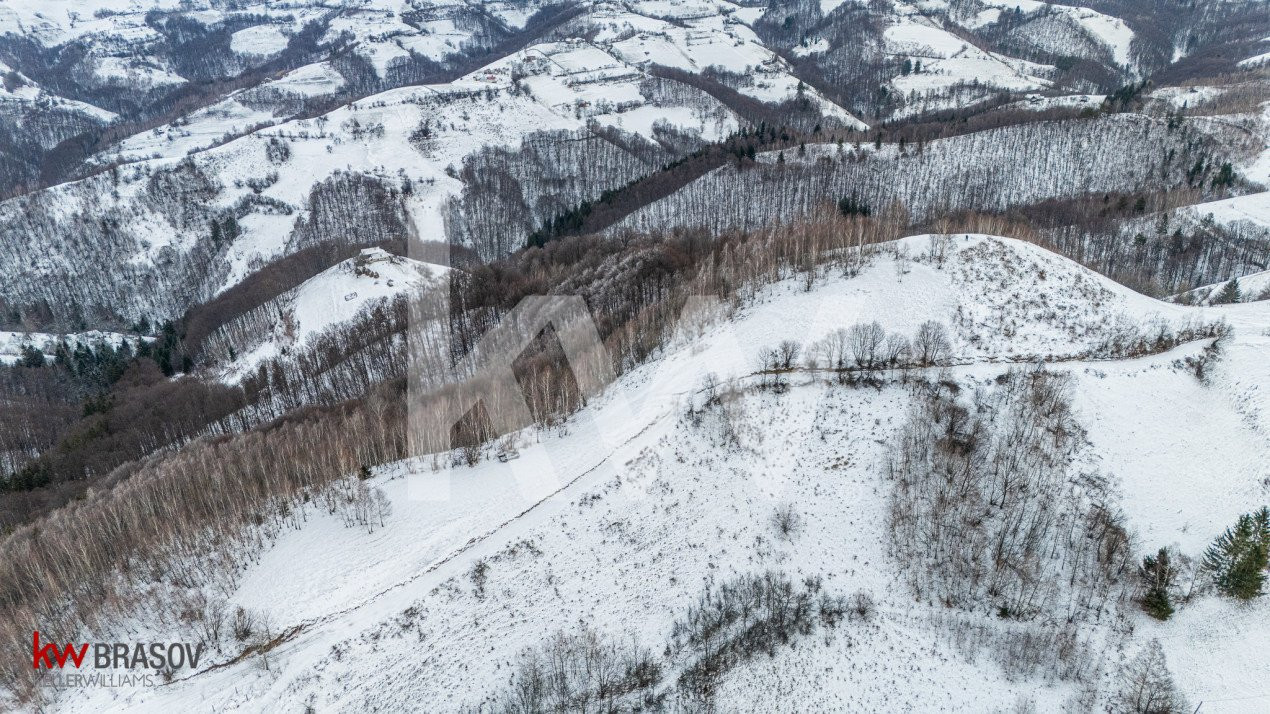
983	337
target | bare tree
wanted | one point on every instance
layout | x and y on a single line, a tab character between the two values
866	343
940	247
1146	686
896	350
835	347
931	345
787	353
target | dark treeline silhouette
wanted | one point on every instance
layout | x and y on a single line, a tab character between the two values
38	403
509	193
1089	208
615	204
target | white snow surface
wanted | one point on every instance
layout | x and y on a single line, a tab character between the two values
947	61
1251	288
811	48
1253	208
1179	97
1040	102
1110	31
332	298
261	40
619	519
1256	60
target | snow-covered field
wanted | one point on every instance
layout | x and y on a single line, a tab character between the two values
618	519
596	77
945	61
1253	208
259	40
1040	102
1186	97
1112	33
27	93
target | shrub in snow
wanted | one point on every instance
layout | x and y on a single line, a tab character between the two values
738	620
582	672
479	574
862	605
729	624
786	521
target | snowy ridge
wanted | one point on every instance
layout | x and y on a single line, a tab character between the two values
606	523
591	68
1111	34
372	136
947	60
556	86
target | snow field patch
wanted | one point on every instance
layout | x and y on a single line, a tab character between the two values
262	40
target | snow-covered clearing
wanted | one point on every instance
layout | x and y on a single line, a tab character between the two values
1040	103
261	40
328	300
943	61
1253	208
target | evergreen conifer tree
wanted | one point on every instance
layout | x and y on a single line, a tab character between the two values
1229	293
1238	558
1157	573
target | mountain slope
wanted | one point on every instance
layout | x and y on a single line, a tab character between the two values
607	523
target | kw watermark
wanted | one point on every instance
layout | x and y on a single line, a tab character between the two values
111	664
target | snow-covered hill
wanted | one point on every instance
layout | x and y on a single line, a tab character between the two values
869	475
619	519
1250	288
246	157
409	140
290	322
155	119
